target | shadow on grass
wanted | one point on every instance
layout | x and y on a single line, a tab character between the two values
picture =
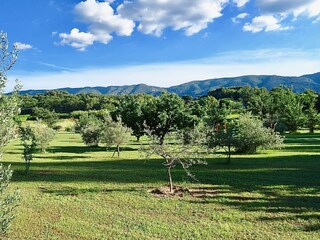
286	184
71	191
85	149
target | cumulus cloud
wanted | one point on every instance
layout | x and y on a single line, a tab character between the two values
264	23
274	12
22	46
102	22
77	39
241	3
156	15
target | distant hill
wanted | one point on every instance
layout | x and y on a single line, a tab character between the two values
200	88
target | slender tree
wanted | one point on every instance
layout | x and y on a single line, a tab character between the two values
115	133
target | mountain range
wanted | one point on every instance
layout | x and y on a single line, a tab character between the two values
201	88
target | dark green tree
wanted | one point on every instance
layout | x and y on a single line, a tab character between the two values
165	114
130	111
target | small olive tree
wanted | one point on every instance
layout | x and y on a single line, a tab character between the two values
42	136
223	138
114	133
29	145
174	150
90	129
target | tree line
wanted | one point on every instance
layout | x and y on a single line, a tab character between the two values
280	108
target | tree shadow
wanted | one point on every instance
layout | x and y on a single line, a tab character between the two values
72	191
86	149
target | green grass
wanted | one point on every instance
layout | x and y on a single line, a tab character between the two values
76	192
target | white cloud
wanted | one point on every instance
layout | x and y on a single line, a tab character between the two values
241	3
310	8
102	21
77	39
22	46
156	15
274	12
240	17
264	23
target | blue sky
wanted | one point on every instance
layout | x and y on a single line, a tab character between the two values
159	42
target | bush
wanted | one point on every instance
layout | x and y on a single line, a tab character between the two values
70	129
250	134
90	129
49	117
43	135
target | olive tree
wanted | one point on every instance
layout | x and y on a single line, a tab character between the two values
251	134
29	145
90	129
222	138
114	133
9	109
175	151
42	136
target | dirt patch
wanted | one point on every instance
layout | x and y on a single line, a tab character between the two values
165	191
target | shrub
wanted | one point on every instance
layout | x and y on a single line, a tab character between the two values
43	135
49	117
250	134
90	129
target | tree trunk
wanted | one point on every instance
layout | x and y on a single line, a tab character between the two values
27	166
170	179
138	138
161	140
311	129
229	155
118	150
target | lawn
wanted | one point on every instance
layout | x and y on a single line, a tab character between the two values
77	192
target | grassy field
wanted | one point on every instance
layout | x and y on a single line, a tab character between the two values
77	192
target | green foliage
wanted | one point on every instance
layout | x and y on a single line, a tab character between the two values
216	112
251	134
114	133
223	137
89	126
29	144
8	202
130	110
42	136
49	117
165	114
8	111
309	99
